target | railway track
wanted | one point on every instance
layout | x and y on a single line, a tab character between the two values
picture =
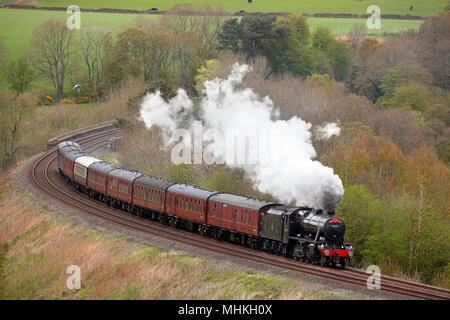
44	175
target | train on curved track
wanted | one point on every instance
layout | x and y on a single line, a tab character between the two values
303	233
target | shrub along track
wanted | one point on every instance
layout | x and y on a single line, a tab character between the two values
44	175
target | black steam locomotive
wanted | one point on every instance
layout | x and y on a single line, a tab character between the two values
311	235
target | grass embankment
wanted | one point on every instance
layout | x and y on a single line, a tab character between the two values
41	243
420	7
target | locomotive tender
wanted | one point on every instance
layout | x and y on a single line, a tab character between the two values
303	233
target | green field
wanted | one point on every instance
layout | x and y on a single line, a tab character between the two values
420	7
343	26
16	25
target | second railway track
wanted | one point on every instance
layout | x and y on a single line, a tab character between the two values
44	175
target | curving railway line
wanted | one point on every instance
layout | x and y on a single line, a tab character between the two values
44	175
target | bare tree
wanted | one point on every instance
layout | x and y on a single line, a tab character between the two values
434	36
95	46
204	21
13	112
51	49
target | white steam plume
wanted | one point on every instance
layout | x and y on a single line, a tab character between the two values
328	130
166	115
292	174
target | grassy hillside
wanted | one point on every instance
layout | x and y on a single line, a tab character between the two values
37	244
420	7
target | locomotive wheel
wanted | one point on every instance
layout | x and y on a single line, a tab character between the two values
343	263
322	261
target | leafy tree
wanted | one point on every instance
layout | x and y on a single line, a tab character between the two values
447	8
248	35
255	29
360	210
288	51
404	73
223	180
338	53
205	73
414	95
181	173
297	28
229	35
322	80
19	76
322	38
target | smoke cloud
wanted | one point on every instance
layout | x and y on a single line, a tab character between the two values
328	130
166	115
291	174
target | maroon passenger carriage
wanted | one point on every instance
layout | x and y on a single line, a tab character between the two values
119	189
236	218
149	196
187	205
97	180
68	152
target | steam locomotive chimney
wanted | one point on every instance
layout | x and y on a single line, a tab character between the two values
329	201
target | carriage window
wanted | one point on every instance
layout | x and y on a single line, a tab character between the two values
214	210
